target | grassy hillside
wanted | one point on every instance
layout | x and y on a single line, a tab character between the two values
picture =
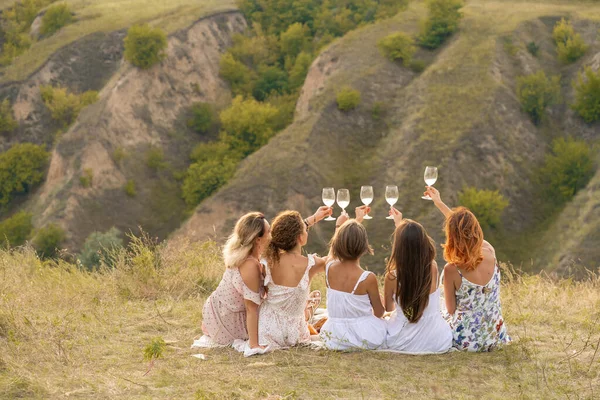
68	333
108	16
461	114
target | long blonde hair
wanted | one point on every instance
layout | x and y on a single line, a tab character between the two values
241	242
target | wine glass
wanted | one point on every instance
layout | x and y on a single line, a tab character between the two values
366	196
391	196
343	199
329	200
431	175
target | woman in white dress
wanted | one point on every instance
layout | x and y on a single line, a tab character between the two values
282	322
411	292
353	301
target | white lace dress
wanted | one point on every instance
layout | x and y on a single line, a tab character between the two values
351	323
281	321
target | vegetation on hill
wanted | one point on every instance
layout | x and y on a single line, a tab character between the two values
487	205
48	239
56	17
21	168
398	46
587	95
347	98
442	21
569	45
536	92
98	325
65	106
145	46
15	230
7	121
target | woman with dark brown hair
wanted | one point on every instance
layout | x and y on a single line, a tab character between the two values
471	280
411	292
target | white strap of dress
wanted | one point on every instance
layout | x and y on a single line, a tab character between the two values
268	278
329	264
363	276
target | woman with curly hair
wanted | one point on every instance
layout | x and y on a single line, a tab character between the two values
471	280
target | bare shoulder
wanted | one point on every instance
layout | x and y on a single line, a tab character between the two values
320	261
450	270
487	246
249	269
372	279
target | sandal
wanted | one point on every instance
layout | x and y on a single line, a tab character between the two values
314	299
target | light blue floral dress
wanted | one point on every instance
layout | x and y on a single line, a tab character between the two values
477	323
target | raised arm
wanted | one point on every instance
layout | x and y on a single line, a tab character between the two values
322	212
437	200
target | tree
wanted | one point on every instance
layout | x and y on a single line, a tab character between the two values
568	168
203	118
205	178
587	95
99	247
300	70
270	80
55	18
21	168
569	45
294	40
247	124
7	122
397	46
15	230
536	92
145	46
48	239
487	205
443	20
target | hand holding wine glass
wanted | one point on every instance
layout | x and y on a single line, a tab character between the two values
433	194
430	176
366	196
391	196
396	216
329	200
321	213
362	212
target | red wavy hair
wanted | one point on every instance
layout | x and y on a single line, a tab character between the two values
464	239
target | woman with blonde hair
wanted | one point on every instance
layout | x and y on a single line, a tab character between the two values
231	311
471	281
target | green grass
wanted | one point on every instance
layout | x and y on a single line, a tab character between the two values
89	337
112	15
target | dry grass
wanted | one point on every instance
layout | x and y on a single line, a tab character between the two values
111	15
68	333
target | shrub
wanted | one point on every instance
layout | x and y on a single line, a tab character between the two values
569	45
236	73
418	66
487	205
211	150
86	178
568	168
270	80
377	110
64	106
55	18
443	20
21	168
7	122
119	154
100	247
48	239
15	230
533	48
130	188
300	70
203	118
348	99
205	178
536	92
294	40
248	125
145	46
397	46
155	158
587	95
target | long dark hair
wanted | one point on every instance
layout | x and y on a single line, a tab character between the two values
413	252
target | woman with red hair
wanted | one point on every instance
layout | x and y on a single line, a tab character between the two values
471	280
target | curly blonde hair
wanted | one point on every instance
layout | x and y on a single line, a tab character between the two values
464	239
285	229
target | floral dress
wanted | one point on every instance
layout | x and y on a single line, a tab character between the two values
477	323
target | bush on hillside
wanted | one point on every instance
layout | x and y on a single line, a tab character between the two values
236	73
21	168
397	46
205	178
155	158
347	99
443	20
129	188
55	18
587	95
87	178
100	247
145	46
299	70
211	150
487	205
14	231
294	40
533	48
567	169
48	240
203	118
271	80
65	106
536	92
569	45
247	125
7	122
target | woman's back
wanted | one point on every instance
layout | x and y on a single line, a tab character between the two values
484	271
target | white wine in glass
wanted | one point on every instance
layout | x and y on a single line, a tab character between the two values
329	200
391	196
343	199
431	175
366	196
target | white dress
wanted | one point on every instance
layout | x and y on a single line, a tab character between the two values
430	334
281	321
351	323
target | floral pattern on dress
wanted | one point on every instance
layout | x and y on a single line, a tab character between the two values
477	323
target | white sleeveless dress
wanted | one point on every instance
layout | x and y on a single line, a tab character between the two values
281	321
351	323
430	334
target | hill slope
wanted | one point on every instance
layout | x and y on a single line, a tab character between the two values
461	114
